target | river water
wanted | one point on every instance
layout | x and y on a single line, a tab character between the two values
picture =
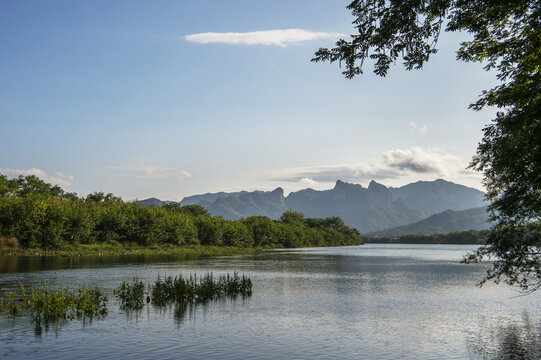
370	302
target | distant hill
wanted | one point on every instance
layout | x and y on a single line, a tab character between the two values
208	197
370	209
152	202
445	222
432	197
267	203
367	209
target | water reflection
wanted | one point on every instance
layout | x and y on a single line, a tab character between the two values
180	312
50	326
19	264
506	339
371	302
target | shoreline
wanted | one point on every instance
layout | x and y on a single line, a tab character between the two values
121	250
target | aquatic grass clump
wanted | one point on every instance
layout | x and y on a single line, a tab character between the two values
47	307
178	289
52	305
90	303
9	304
236	285
130	294
192	290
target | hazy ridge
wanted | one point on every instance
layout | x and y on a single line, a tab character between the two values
369	209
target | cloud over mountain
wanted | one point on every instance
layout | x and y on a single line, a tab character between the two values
394	164
421	161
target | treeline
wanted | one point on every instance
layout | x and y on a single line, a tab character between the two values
473	237
35	214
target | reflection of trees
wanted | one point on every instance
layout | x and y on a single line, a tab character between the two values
506	340
17	264
56	325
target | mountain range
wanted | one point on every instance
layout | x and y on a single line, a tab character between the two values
445	222
369	209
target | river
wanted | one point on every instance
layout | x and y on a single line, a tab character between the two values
369	302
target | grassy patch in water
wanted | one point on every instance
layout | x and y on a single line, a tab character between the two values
193	290
10	304
50	305
130	294
180	289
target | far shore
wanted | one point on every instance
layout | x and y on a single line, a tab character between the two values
117	250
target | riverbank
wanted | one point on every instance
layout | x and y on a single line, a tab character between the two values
129	249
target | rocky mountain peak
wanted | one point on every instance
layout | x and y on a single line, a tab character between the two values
342	185
379	194
278	192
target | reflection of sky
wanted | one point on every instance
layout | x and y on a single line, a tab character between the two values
345	303
417	251
506	338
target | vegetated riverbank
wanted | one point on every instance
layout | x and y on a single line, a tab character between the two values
472	237
106	249
37	218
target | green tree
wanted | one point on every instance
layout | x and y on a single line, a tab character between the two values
210	230
195	210
175	228
292	217
235	233
100	197
6	186
506	37
262	229
31	184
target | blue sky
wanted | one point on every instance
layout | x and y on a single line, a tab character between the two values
138	99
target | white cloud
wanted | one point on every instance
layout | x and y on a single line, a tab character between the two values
421	161
57	178
307	182
181	175
416	128
329	173
414	163
282	38
153	172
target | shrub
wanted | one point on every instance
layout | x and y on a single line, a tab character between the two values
13	242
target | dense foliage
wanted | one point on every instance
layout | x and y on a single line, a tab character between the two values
506	37
38	215
458	237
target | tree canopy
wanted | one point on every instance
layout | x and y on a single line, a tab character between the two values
505	37
35	214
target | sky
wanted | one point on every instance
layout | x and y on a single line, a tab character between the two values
168	99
